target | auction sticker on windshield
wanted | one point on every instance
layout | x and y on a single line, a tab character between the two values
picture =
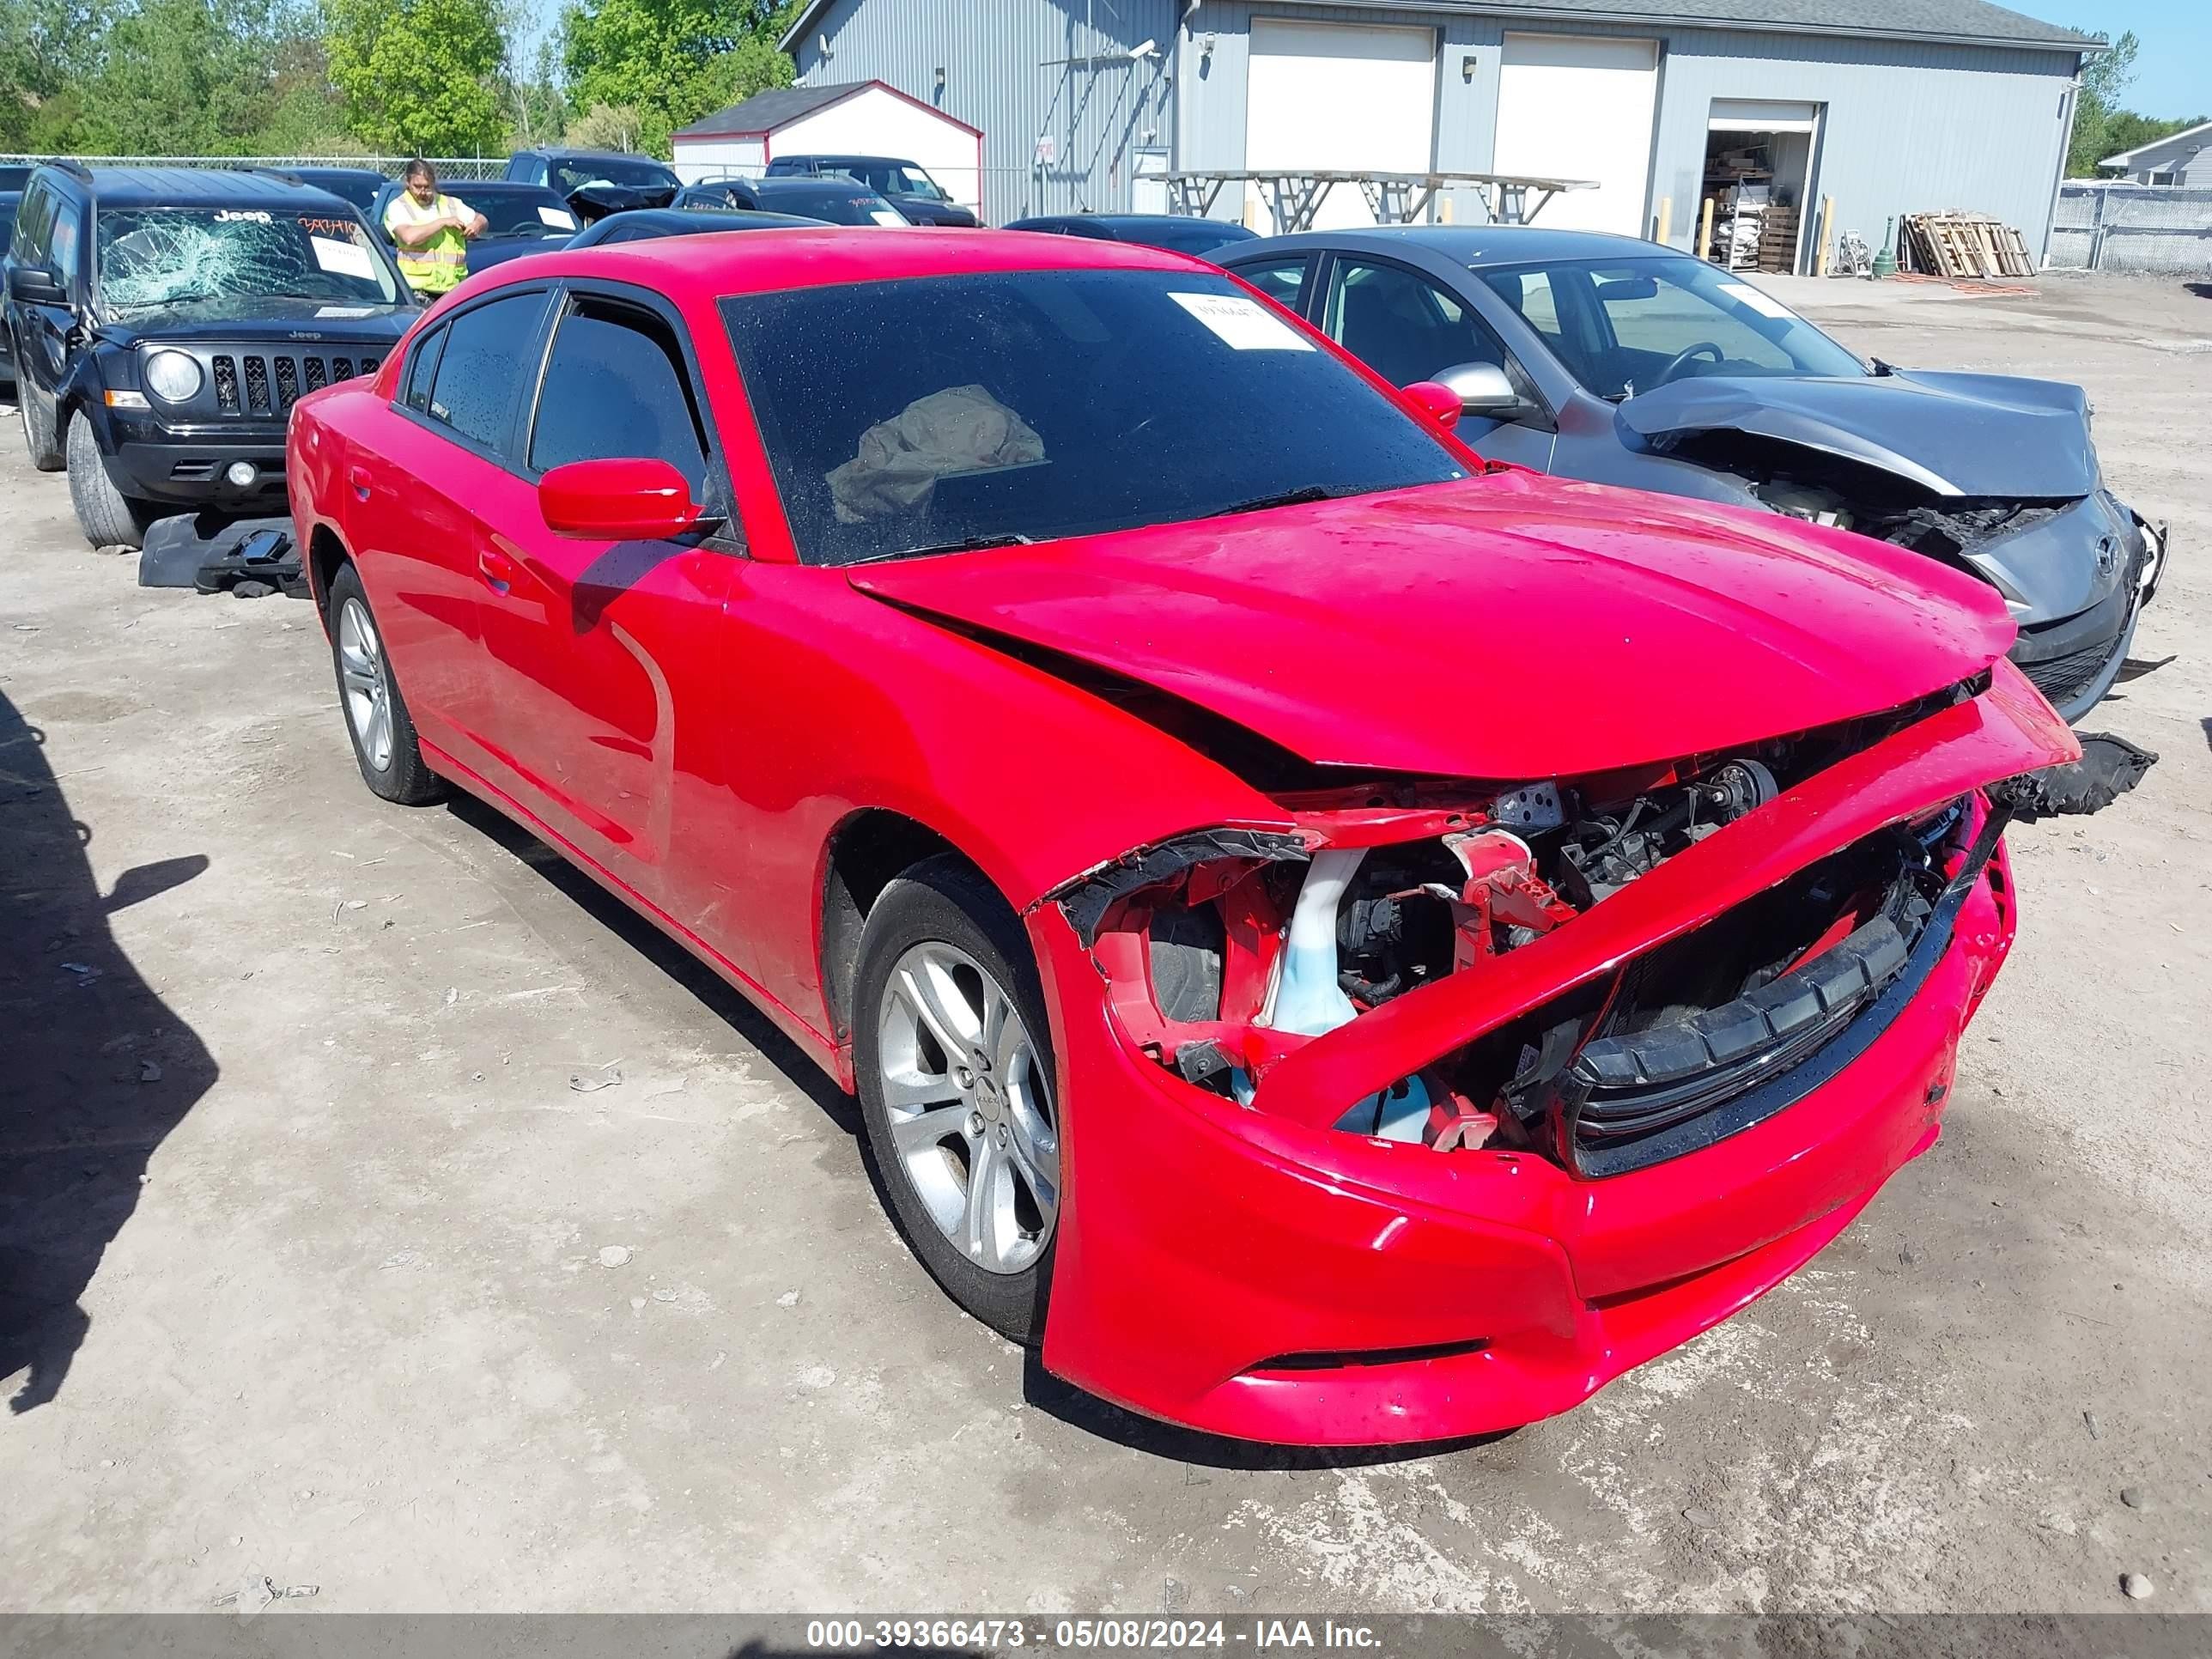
1242	323
344	259
1765	305
558	218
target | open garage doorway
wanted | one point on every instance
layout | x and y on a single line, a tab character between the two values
1760	161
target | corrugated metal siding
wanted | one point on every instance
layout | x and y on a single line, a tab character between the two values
1907	127
994	54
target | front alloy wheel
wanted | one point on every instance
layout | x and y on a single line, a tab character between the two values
969	1106
952	1055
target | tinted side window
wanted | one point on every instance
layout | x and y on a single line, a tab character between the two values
1278	279
487	363
63	242
615	386
30	221
422	366
1403	326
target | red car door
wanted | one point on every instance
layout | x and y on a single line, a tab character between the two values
433	466
607	690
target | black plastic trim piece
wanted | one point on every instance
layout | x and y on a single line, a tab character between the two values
1084	899
1819	1067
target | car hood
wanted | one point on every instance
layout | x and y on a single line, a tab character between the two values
1507	627
258	317
1983	435
486	251
593	202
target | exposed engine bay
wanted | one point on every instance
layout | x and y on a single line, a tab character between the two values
1227	950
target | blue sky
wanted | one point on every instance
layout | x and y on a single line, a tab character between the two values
2173	70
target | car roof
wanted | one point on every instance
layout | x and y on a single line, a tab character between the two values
703	268
847	156
1467	245
319	171
199	187
690	221
595	155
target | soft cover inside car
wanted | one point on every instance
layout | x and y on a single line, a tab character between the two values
1335	942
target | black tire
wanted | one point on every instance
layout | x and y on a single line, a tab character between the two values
944	900
40	441
402	776
107	516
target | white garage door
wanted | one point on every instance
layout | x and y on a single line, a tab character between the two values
1575	107
1339	95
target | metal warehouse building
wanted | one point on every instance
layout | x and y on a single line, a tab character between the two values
1888	106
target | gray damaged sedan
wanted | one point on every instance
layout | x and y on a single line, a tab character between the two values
1626	362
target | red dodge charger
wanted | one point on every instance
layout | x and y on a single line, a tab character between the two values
1336	941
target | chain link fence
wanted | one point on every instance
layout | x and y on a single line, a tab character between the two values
2152	228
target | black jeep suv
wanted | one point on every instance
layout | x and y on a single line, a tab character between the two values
163	322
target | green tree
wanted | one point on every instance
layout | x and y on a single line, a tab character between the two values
48	50
2101	126
420	75
673	60
2105	76
188	77
537	110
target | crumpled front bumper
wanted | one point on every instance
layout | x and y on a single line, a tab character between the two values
1252	1272
2075	585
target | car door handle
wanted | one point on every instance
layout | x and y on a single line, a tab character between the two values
361	480
498	570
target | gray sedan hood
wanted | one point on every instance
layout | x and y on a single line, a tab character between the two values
1987	435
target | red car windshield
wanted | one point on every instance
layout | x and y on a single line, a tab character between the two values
939	414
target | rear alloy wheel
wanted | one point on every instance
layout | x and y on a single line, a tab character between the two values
957	1092
377	719
107	516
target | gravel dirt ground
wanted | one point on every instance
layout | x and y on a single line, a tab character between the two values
321	1259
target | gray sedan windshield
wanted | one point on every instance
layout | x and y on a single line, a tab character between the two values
1622	326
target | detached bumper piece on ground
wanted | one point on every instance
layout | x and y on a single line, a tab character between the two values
248	558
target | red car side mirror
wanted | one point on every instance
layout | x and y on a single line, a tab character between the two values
632	499
1436	400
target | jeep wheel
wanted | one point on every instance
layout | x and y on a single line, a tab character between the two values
107	516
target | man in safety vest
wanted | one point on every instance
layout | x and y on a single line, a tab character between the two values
432	232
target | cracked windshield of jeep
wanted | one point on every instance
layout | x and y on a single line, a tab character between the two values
157	258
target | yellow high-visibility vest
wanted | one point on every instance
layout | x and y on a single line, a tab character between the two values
438	266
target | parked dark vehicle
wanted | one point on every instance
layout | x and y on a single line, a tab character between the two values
1178	233
163	322
597	182
1628	362
9	201
14	178
359	185
832	201
650	224
906	185
518	219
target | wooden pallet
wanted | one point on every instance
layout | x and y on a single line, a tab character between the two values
1966	245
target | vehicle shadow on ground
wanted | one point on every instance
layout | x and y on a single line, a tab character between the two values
725	1002
97	1068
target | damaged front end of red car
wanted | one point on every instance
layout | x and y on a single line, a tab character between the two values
1441	1104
